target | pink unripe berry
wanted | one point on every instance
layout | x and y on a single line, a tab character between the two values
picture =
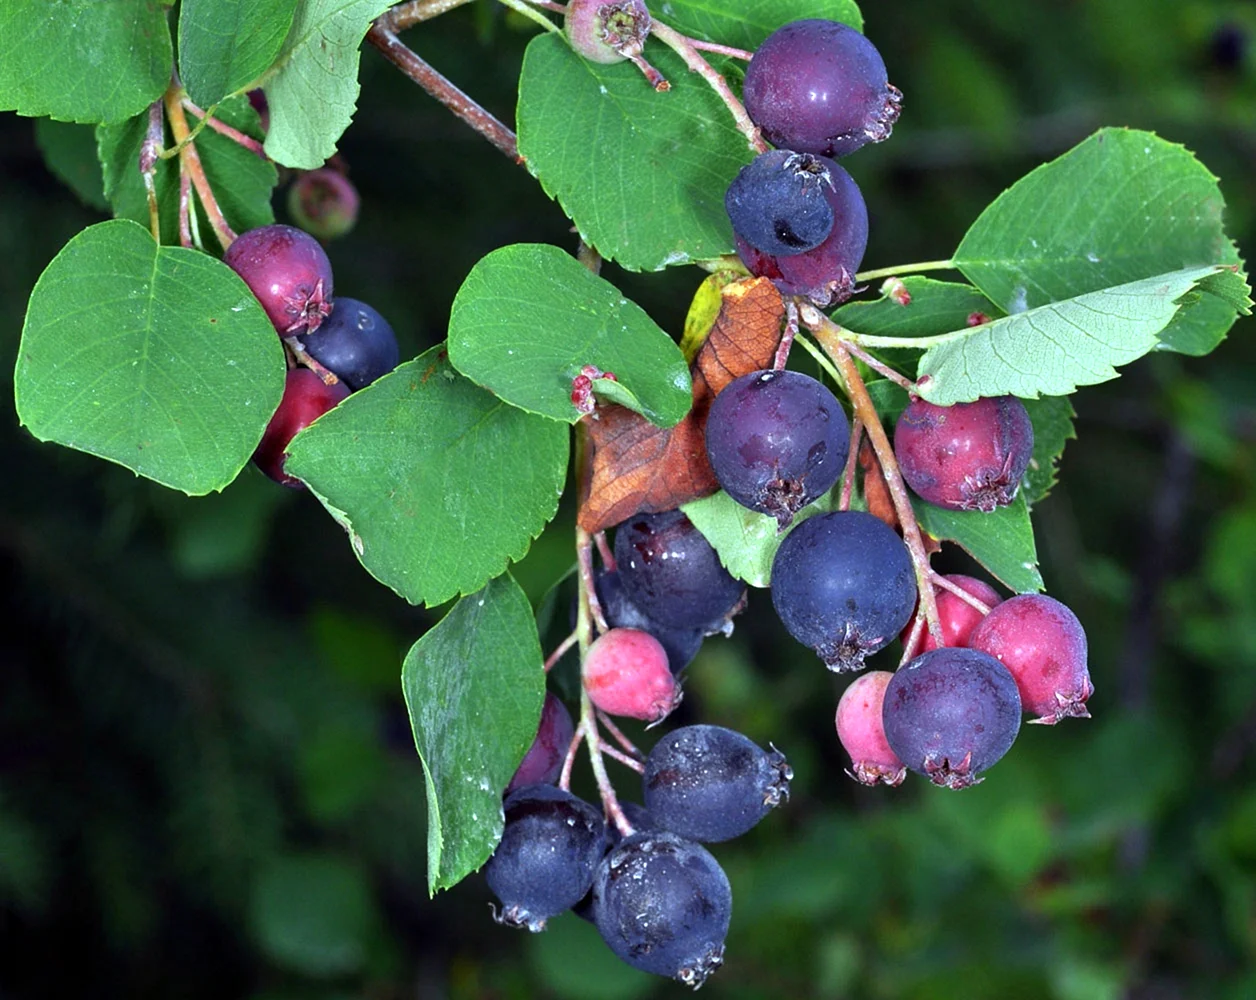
607	31
324	203
626	673
957	617
543	762
862	731
1043	645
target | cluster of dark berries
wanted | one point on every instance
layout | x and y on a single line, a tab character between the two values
289	273
816	90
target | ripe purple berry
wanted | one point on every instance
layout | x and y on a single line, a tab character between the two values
305	398
951	714
626	673
543	762
820	87
1043	644
355	342
861	729
288	272
776	203
969	456
777	440
826	273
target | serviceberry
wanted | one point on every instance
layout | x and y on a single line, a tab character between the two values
826	273
543	762
355	342
607	31
324	203
820	87
861	730
671	572
288	272
843	584
968	456
951	714
776	202
663	904
681	644
550	850
305	398
1043	644
708	783
626	673
776	441
957	617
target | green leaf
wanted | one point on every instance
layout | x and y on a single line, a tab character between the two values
226	44
242	181
1054	348
1052	417
1002	541
314	94
653	195
473	685
83	60
157	358
529	316
745	539
936	307
439	483
70	152
747	23
1121	206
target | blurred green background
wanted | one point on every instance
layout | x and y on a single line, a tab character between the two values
207	782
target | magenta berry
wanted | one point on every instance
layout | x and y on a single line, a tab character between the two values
957	617
288	272
324	203
820	86
543	762
305	398
1043	645
607	31
951	714
825	274
969	456
626	673
862	731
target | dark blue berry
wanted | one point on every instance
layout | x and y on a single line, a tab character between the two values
663	905
951	713
681	644
843	584
820	87
671	572
777	440
708	783
776	203
549	851
355	342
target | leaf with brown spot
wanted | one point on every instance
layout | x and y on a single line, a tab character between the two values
636	467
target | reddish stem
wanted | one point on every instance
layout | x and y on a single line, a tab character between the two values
222	128
150	153
563	646
584	558
185	214
190	163
913	640
940	581
787	338
564	779
406	15
299	353
618	736
852	463
880	367
625	759
721	50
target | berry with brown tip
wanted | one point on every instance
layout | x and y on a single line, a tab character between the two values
288	272
626	673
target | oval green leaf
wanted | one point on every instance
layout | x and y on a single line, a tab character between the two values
747	23
529	316
439	483
225	44
473	685
1002	541
157	358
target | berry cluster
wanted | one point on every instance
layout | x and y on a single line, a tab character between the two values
342	344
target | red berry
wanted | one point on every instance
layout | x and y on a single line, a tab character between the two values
324	202
1043	645
862	731
969	456
543	762
305	398
626	673
957	617
288	272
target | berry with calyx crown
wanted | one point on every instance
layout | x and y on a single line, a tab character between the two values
288	272
607	31
355	342
776	202
861	730
626	673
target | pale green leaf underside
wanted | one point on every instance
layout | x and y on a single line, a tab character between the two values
653	195
314	94
439	483
1002	541
226	44
473	687
83	60
157	358
1053	349
747	23
528	317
